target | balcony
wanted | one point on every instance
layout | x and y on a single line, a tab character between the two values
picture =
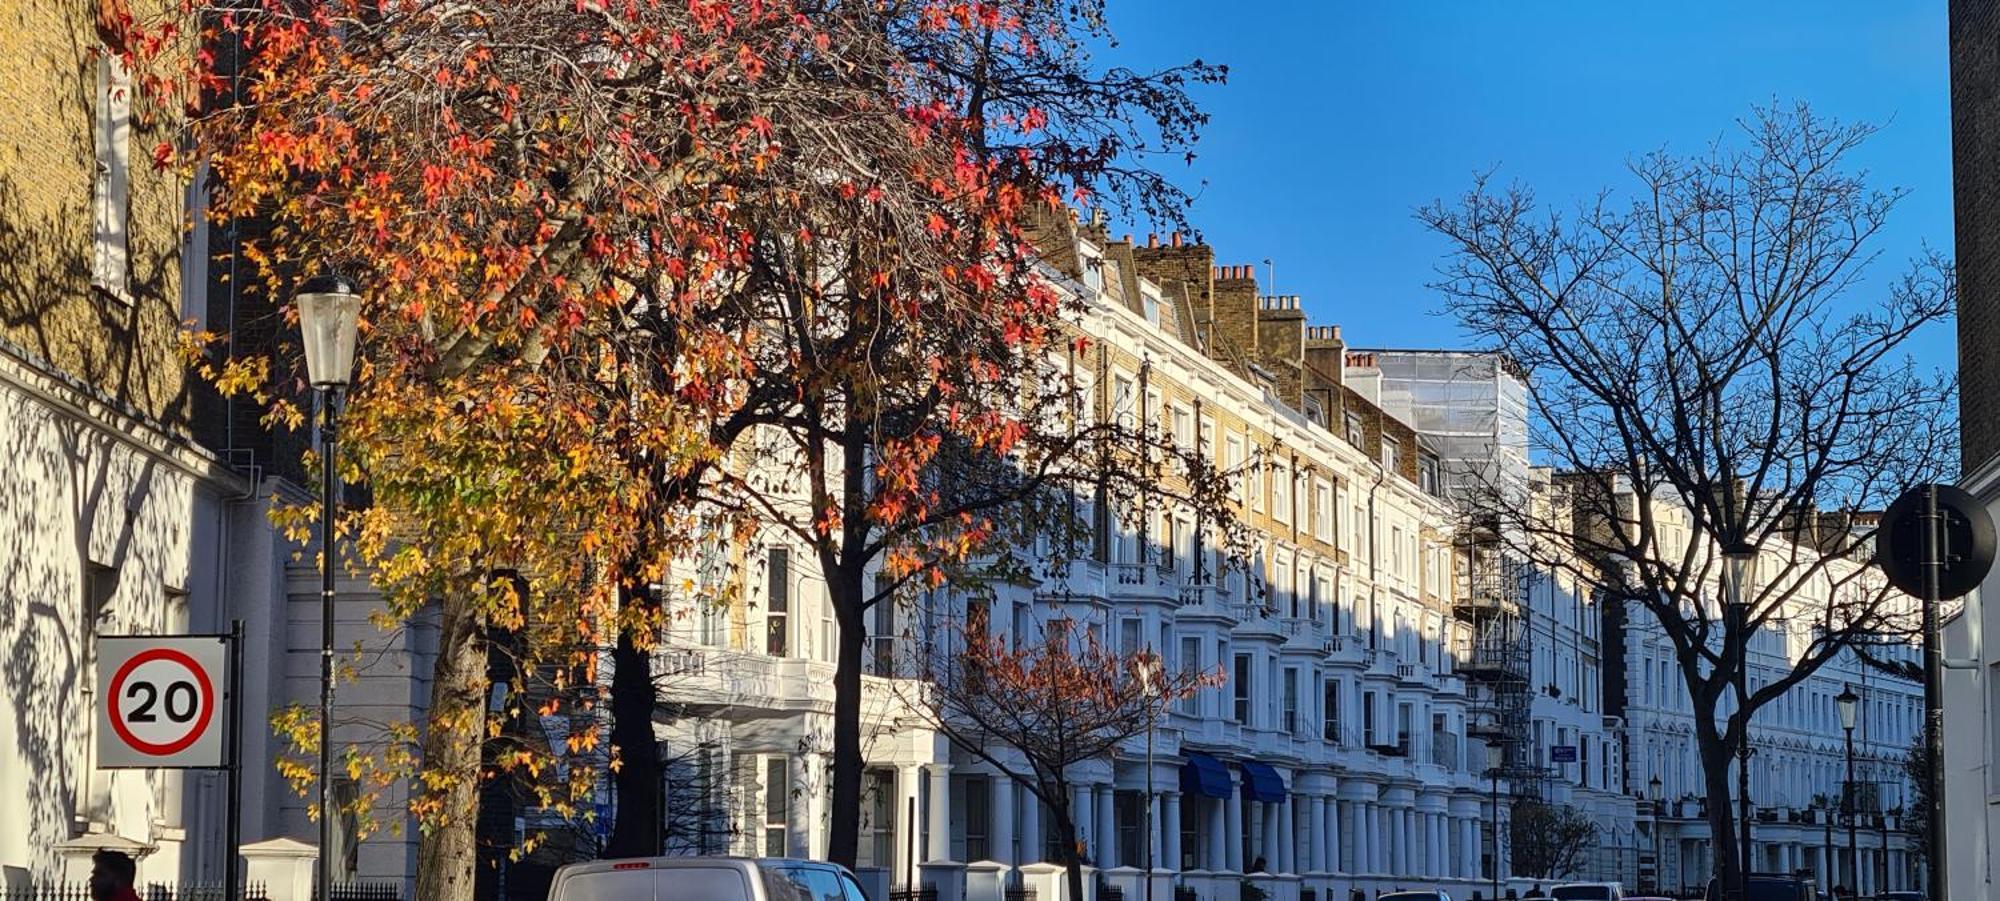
1145	582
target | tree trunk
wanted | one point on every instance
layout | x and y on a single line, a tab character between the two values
844	815
1715	762
638	782
1067	845
453	737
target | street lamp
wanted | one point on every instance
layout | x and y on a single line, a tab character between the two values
1656	790
1739	560
1495	756
1846	703
329	307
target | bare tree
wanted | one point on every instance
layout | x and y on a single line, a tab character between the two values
1549	841
1037	707
1710	377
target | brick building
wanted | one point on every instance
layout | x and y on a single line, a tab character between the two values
1972	696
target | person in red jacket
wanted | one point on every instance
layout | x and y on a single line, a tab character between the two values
111	876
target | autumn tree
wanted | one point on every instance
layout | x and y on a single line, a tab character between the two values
1034	706
1549	841
1714	372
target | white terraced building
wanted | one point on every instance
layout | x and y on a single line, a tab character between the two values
1798	767
1337	751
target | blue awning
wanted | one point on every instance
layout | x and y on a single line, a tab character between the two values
1206	776
1261	782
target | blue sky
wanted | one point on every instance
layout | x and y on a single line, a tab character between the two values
1340	117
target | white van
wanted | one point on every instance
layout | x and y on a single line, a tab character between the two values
1588	891
705	879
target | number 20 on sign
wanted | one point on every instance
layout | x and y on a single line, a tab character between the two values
160	701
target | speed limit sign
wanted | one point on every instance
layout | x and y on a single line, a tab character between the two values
160	701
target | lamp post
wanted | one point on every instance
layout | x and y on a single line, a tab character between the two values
1846	703
1149	675
1495	755
329	307
1656	791
1739	567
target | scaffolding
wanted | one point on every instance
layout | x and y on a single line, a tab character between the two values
1498	661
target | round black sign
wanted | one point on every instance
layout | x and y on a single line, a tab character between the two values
1966	544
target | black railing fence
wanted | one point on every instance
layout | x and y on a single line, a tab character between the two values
80	891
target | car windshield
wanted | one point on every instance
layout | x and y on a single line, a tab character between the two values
1410	896
1581	893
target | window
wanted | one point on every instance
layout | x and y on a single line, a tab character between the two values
777	609
1329	711
1260	481
1183	425
111	188
1427	475
1232	462
1241	683
1291	714
1404	713
1281	494
1191	666
1130	809
978	819
1206	447
1121	401
1323	509
1392	451
777	797
1129	631
1368	719
1356	435
1315	412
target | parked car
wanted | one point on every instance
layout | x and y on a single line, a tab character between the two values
704	879
1900	896
1588	891
1425	895
1768	887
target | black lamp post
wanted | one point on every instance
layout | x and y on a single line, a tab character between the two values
1740	566
1846	703
1656	792
329	307
1495	756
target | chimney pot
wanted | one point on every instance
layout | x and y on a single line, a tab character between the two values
1152	239
1128	237
1177	239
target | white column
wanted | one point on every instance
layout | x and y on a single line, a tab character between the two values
1255	831
1170	824
1084	815
798	806
1104	852
1003	818
1316	834
1332	835
940	811
1288	840
1233	831
1156	828
1031	827
1217	853
1399	836
1345	858
907	777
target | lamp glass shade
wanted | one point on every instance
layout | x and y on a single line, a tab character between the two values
1656	787
327	321
1495	755
1739	563
1847	703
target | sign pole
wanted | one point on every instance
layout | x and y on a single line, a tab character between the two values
1933	695
233	821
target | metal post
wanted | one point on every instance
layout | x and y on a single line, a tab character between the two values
1659	859
1151	827
1493	830
328	445
1853	814
232	841
1933	701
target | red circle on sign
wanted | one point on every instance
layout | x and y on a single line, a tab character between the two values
200	721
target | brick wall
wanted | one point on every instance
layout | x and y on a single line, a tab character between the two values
48	86
1975	127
